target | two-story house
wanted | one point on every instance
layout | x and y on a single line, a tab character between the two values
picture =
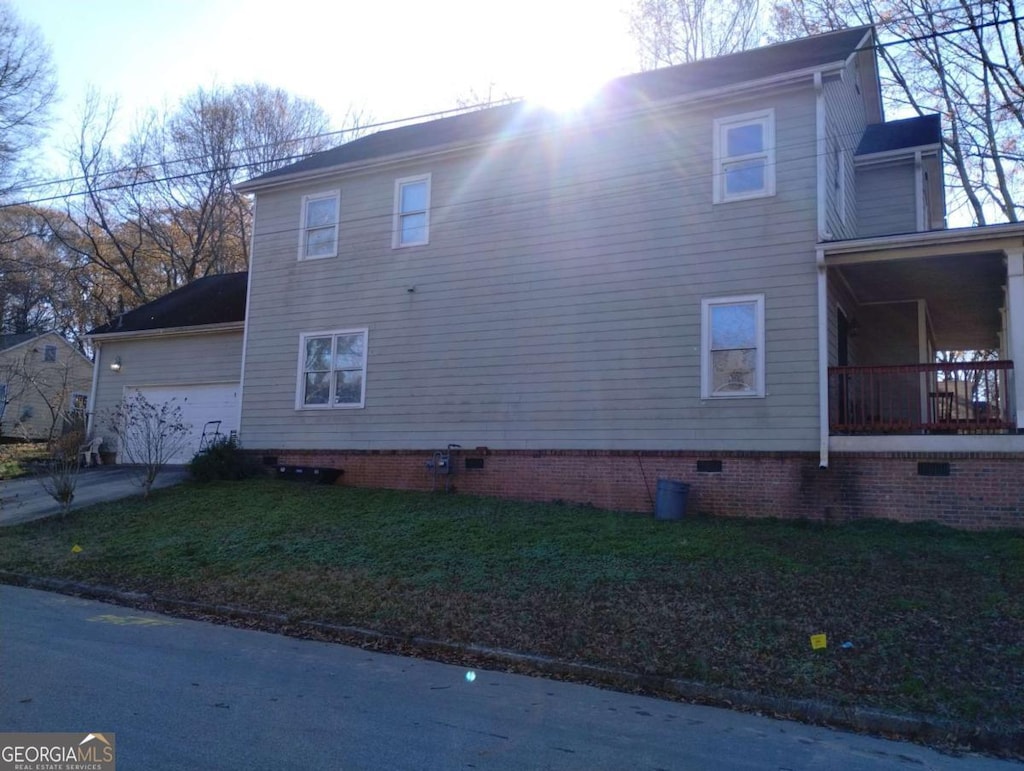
732	273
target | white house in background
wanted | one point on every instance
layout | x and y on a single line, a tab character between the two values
185	346
44	386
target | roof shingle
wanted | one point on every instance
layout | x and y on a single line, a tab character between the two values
208	300
629	92
901	134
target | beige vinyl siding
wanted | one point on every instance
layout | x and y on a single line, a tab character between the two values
886	200
40	391
163	361
558	302
845	121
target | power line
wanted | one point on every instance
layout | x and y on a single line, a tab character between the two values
395	122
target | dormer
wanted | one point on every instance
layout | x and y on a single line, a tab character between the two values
898	168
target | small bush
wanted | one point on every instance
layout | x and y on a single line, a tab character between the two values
223	459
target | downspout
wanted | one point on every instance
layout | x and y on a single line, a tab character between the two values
822	359
819	122
245	327
97	349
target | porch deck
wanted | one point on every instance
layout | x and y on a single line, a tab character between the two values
954	398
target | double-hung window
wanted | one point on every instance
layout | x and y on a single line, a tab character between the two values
744	156
412	211
318	236
50	353
332	370
732	347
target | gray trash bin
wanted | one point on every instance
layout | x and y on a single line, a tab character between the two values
671	500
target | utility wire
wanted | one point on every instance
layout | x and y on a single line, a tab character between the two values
395	122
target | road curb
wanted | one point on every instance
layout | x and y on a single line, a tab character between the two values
920	728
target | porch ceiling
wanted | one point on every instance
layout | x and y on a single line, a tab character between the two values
964	293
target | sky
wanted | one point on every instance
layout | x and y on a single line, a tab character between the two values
391	60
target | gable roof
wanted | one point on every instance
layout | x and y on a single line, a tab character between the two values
209	300
10	341
625	93
922	131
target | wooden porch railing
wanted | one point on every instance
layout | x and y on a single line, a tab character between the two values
966	398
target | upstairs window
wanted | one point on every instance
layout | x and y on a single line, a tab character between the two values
318	236
412	211
732	347
744	156
332	370
50	353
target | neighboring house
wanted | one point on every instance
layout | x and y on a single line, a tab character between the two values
44	386
186	347
733	273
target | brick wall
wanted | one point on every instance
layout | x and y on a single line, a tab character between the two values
975	491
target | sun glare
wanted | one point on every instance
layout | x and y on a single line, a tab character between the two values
570	49
565	89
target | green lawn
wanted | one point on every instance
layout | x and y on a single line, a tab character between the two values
935	617
15	457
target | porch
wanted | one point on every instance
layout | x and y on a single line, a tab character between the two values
966	398
920	338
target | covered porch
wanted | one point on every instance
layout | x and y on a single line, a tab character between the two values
919	337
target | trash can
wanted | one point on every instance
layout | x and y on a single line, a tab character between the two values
671	500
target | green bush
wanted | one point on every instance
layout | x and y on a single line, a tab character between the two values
223	459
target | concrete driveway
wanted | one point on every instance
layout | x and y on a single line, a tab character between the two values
23	500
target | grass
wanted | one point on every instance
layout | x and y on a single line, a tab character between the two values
935	616
14	458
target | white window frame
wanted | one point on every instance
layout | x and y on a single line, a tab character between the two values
766	118
399	215
300	380
706	388
47	358
304	230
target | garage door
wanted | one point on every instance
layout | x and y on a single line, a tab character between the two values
199	404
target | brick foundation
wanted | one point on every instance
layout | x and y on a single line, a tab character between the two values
981	490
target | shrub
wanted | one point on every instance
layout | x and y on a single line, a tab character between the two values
148	435
223	459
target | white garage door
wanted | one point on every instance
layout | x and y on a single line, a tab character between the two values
199	404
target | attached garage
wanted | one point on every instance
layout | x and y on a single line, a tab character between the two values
201	406
184	348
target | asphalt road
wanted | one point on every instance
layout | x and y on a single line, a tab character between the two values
183	694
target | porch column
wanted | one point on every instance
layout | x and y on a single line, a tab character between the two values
1015	328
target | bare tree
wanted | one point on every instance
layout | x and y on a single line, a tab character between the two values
60	478
149	435
678	31
37	288
12	387
27	88
963	59
160	211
